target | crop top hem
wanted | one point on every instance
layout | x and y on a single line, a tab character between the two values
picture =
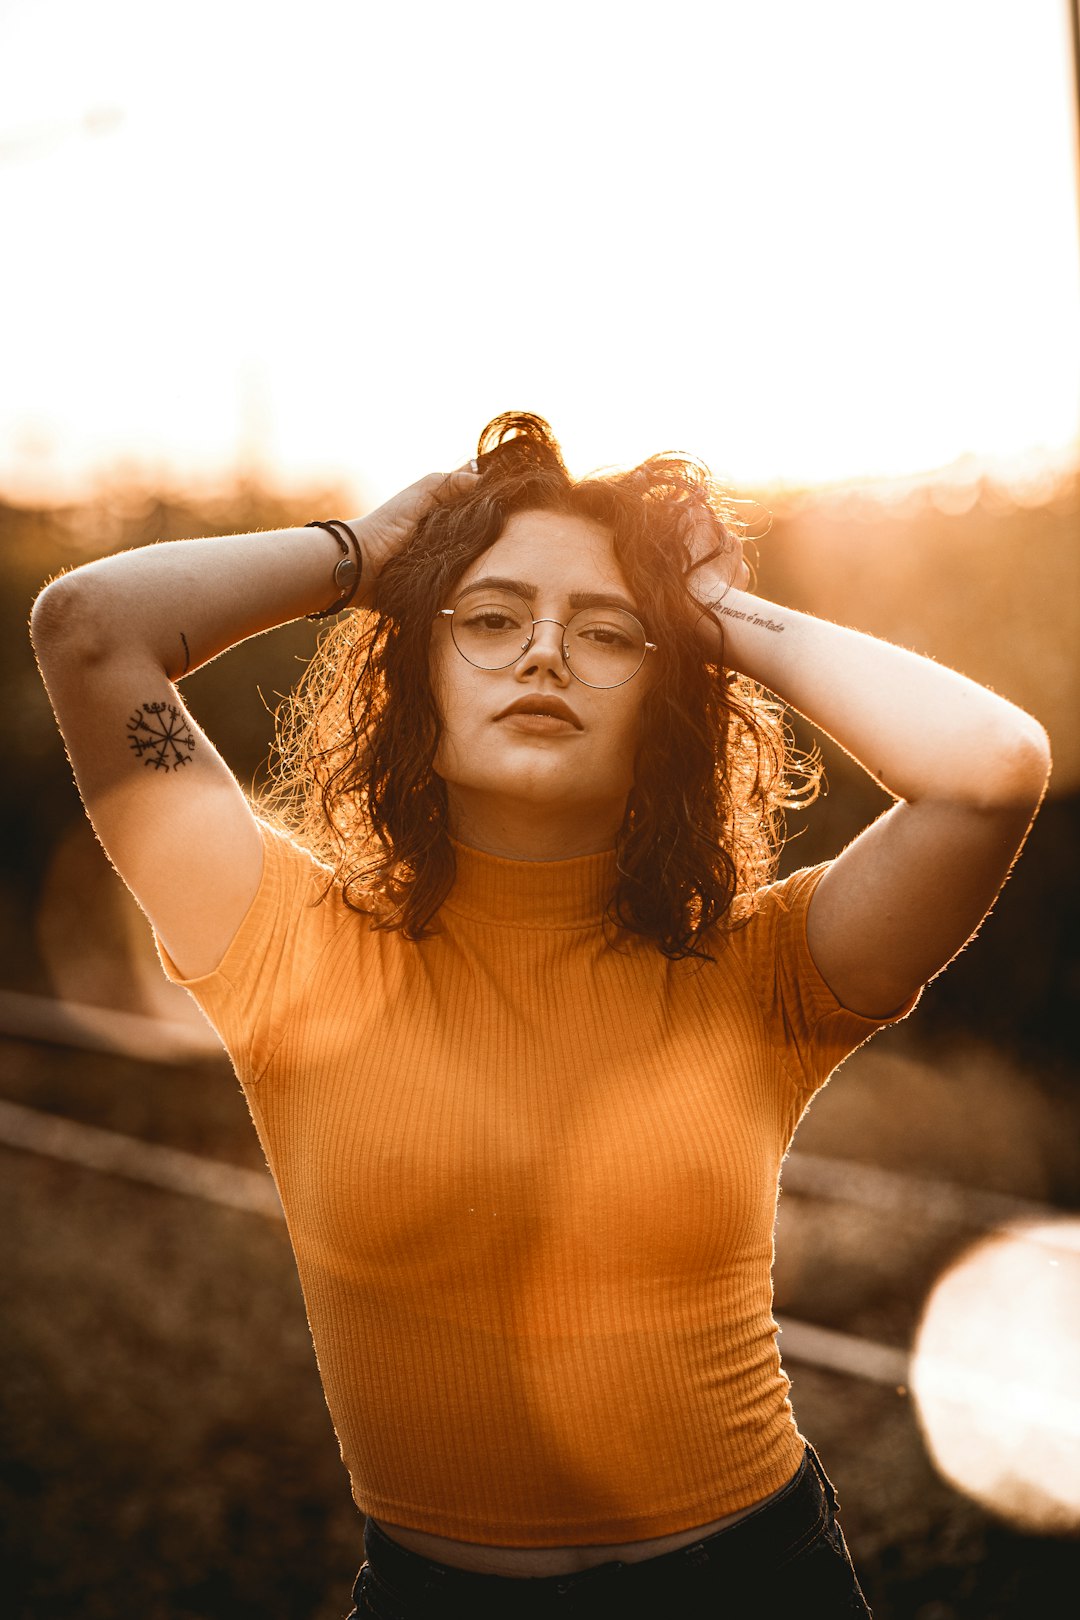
569	1532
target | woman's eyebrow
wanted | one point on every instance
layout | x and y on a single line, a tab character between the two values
577	599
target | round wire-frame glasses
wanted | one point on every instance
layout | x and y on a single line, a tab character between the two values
494	629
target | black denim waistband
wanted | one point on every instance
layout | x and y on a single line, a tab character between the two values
763	1541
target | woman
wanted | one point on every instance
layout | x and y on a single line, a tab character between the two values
523	1026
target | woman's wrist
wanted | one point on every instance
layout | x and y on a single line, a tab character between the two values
381	534
373	558
349	568
735	625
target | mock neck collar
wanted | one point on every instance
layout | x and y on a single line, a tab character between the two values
531	894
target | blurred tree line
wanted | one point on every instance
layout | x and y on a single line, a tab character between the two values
992	588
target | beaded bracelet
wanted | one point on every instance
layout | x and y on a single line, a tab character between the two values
348	572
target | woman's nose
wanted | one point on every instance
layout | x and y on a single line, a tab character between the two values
545	651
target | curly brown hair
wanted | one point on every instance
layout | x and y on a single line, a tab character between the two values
354	776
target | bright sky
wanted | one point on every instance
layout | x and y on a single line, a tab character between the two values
806	241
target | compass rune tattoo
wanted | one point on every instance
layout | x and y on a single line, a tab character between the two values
160	736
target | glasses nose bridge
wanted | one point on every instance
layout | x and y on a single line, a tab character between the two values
529	645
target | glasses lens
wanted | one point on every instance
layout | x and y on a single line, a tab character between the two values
604	646
491	628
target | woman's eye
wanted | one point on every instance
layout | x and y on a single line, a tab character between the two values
492	619
607	635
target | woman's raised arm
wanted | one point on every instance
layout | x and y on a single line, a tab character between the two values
968	770
112	640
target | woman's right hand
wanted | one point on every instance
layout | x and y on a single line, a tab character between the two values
382	533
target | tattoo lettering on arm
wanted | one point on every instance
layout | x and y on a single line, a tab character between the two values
749	618
160	736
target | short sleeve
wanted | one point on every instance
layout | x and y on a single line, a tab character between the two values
812	1028
248	997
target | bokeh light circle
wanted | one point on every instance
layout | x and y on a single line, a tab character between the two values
995	1374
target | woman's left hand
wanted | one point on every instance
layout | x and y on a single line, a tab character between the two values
710	580
727	570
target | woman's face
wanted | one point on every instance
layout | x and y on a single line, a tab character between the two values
511	769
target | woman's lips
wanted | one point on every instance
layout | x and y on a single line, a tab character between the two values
538	725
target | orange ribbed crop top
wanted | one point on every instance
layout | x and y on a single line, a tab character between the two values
530	1182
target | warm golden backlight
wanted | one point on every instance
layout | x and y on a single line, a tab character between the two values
994	1375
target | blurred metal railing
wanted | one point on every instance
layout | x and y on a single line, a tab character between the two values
894	1192
105	1029
113	1154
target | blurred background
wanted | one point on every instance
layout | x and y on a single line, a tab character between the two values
265	264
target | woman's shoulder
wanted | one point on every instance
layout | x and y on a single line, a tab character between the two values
290	863
773	904
301	896
788	895
767	925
